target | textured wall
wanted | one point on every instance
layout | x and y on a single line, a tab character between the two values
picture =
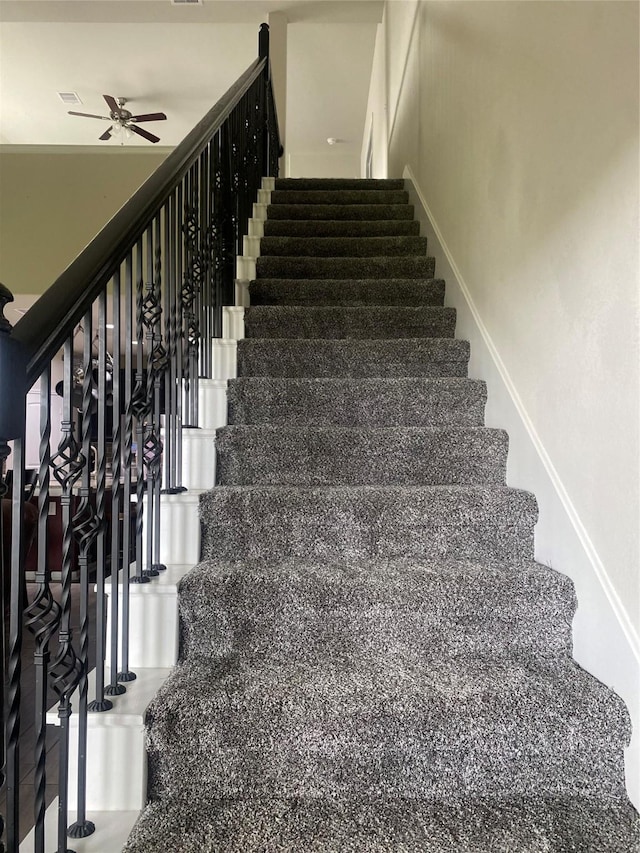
519	122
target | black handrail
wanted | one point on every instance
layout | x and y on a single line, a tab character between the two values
43	328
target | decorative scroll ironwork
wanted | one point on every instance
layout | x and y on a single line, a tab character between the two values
156	366
191	286
85	525
66	670
42	616
125	674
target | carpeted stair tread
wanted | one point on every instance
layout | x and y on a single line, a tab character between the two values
414	401
339	197
373	267
302	610
527	824
370	657
329	321
356	292
360	522
340	212
339	184
344	228
353	358
366	725
342	247
282	455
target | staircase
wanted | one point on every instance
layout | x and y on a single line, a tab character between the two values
371	658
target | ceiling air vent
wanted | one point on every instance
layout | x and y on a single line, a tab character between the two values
69	97
186	2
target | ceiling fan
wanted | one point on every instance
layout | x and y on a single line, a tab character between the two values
121	119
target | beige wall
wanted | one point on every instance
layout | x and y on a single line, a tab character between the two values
519	123
53	204
328	70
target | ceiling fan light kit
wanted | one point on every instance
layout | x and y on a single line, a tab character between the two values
122	121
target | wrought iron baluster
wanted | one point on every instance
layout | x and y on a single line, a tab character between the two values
178	327
169	447
140	406
172	428
16	603
125	674
42	616
115	688
67	465
156	366
12	426
206	251
85	524
4	453
217	229
190	294
100	703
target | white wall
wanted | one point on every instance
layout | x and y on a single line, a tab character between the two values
519	124
328	71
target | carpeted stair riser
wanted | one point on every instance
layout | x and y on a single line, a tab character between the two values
346	228
337	456
339	184
336	292
296	610
340	212
358	522
528	824
403	267
370	322
352	358
478	727
339	197
414	402
342	247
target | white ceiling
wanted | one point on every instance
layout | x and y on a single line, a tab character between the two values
175	59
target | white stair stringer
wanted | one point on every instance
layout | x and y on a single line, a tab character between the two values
115	738
251	246
153	618
233	322
198	459
225	358
245	267
212	403
256	228
259	211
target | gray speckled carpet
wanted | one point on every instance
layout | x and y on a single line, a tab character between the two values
370	658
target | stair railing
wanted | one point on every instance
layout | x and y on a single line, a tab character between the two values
112	355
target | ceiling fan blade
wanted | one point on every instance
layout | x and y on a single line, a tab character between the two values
143	133
149	117
112	103
107	134
89	115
